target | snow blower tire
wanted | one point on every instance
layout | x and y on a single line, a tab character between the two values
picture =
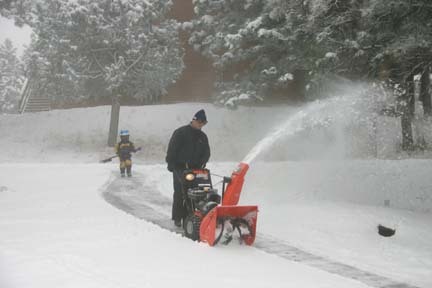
191	226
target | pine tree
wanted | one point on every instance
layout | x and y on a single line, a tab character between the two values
11	77
253	45
20	10
402	48
104	49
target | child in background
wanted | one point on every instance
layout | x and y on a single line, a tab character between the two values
124	149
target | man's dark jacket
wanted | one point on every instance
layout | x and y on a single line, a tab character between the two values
188	148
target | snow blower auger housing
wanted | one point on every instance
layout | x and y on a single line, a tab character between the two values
214	219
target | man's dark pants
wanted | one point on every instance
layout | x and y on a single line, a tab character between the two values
178	209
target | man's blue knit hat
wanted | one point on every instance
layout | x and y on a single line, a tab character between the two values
200	116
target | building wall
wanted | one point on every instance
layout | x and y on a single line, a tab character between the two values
197	79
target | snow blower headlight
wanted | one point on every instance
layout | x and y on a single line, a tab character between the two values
190	177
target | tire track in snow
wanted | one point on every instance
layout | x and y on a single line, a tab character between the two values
136	197
280	248
139	200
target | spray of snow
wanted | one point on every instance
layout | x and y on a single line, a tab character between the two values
321	113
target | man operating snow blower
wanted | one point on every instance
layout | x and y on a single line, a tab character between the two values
188	148
206	216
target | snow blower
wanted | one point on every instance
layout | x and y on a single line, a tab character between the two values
214	219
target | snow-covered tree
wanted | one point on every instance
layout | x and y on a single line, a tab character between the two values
403	35
259	47
92	49
20	10
239	38
402	47
338	30
11	77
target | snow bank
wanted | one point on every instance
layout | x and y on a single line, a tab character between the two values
80	135
57	229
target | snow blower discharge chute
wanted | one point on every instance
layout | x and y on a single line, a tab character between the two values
214	219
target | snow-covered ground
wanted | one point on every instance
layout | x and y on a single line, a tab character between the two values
58	231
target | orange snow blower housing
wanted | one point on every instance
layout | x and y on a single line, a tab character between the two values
218	220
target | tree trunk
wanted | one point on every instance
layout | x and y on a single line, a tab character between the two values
299	84
425	92
114	121
407	134
407	115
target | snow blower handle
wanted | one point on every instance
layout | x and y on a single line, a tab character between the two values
226	180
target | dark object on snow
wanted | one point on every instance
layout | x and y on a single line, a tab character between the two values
385	231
